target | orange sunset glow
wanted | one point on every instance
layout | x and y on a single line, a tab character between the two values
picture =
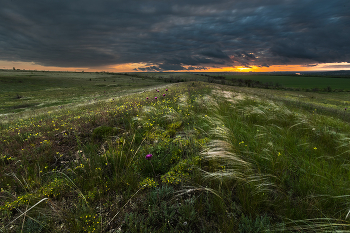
129	67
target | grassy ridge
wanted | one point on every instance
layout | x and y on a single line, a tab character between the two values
225	159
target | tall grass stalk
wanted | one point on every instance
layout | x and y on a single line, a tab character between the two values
25	212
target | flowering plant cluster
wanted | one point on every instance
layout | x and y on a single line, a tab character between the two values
156	96
149	156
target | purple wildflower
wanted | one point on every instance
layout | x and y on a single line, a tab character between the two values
166	89
149	156
156	97
163	94
146	97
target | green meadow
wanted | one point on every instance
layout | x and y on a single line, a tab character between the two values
137	153
299	81
26	90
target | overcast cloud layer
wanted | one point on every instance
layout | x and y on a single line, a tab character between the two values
173	35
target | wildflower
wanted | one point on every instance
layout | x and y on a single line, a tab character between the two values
148	156
315	148
166	89
163	94
156	97
147	98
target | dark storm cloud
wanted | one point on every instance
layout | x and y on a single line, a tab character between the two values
215	53
149	68
175	35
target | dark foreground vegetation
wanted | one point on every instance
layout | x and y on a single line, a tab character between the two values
201	157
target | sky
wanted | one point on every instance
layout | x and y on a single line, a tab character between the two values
181	35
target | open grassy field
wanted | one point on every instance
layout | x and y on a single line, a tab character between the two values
201	157
29	91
